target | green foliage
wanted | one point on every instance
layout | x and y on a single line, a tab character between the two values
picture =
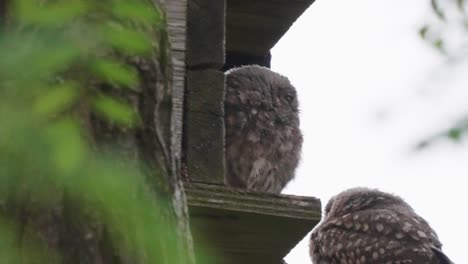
454	133
437	9
114	110
53	56
115	72
451	15
448	34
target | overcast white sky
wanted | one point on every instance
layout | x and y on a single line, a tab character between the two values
369	90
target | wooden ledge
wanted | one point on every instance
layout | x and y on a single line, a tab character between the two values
218	196
248	227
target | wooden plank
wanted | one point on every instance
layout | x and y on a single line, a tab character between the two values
205	33
204	126
177	27
238	226
176	21
254	27
228	198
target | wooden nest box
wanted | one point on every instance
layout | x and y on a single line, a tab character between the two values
208	37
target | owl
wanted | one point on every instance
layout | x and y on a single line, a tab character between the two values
362	225
263	139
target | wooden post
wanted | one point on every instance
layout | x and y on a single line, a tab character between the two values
204	96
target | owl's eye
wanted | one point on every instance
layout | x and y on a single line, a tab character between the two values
289	98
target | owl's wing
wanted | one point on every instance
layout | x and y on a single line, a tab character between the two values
375	235
318	252
262	176
441	256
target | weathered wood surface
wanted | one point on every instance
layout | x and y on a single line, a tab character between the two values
227	198
204	126
254	27
177	31
248	227
205	34
176	23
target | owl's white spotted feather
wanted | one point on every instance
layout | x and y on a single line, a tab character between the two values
362	225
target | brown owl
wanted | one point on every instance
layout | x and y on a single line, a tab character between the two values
263	139
363	225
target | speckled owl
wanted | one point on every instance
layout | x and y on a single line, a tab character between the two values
263	139
366	226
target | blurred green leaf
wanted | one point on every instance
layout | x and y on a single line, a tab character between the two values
68	150
56	99
461	5
439	44
35	56
437	10
127	40
423	31
56	14
114	110
454	134
135	11
131	209
53	40
116	72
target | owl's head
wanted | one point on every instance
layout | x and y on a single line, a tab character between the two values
359	199
258	89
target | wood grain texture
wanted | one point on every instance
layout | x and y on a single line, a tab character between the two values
176	22
177	29
248	227
254	27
